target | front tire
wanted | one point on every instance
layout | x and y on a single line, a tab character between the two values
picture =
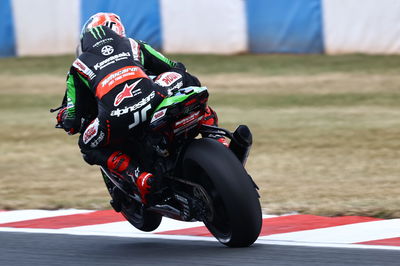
236	219
141	218
133	212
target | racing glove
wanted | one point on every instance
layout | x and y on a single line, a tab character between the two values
61	118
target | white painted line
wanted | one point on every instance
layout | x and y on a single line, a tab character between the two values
125	227
352	233
23	215
338	236
261	240
71	231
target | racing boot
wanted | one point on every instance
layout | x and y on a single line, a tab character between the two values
146	183
120	165
211	119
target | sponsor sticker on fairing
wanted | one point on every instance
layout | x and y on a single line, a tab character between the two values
187	121
158	115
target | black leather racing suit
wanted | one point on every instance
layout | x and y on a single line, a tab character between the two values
107	85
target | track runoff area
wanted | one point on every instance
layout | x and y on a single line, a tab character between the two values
298	230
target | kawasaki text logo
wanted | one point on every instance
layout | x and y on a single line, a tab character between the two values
111	60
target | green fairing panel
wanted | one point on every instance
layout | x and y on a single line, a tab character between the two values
179	97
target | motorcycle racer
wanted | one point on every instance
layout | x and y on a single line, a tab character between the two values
109	96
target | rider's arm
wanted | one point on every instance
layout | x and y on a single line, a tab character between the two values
157	63
78	100
154	61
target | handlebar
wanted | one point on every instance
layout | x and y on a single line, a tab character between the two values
52	110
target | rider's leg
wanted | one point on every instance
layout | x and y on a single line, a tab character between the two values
95	148
175	79
124	167
211	119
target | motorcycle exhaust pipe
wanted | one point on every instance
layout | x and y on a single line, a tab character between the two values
241	142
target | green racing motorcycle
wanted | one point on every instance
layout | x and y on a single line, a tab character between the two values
200	178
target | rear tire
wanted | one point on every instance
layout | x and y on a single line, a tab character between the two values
236	220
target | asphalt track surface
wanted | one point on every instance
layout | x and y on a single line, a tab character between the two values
59	249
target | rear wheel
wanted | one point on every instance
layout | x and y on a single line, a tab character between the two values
236	212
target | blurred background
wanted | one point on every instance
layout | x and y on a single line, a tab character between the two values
46	27
316	81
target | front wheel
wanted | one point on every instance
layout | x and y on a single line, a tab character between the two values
236	216
133	212
141	218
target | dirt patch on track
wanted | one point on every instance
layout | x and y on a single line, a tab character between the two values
318	84
32	84
235	83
